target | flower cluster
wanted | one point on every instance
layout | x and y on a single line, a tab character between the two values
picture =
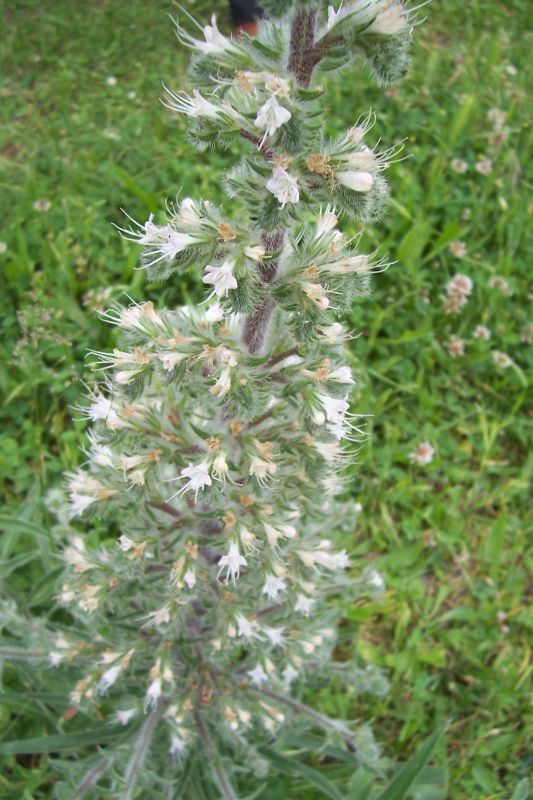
458	289
218	432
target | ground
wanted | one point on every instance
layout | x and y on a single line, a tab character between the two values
83	134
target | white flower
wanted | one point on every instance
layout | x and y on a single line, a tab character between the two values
316	293
334	407
283	186
481	332
455	347
219	467
3	247
198	477
232	563
247	628
271	116
326	223
483	166
390	18
341	375
460	284
457	249
304	604
361	161
215	42
111	80
275	635
195	106
221	278
222	384
153	694
43	205
108	678
422	454
190	579
334	16
256	252
289	674
458	165
214	313
261	469
171	360
273	586
357	181
501	360
177	746
258	675
123	717
276	85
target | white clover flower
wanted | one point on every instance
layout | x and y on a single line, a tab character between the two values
458	165
501	360
271	116
42	205
283	186
357	181
221	278
481	332
232	563
273	586
458	249
455	347
483	166
422	454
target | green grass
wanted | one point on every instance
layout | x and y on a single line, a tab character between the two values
451	536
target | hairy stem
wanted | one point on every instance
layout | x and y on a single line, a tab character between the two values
91	778
211	755
141	748
302	58
256	323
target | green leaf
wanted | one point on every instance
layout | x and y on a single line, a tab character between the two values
61	741
290	766
404	779
522	790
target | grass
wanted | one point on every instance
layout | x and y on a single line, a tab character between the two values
453	630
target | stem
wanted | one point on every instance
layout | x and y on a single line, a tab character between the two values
140	750
256	323
13	652
91	778
222	779
303	58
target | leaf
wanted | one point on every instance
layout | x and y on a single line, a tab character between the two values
60	741
405	778
289	766
522	790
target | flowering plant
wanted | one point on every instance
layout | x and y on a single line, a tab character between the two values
217	431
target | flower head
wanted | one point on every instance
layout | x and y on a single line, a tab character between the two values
221	278
283	186
232	563
271	116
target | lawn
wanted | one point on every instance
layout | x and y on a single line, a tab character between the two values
83	135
